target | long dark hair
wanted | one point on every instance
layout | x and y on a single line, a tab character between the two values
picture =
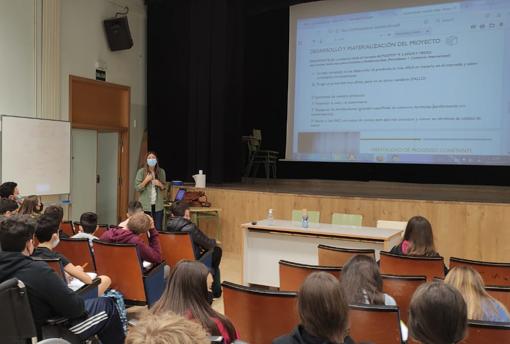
419	233
362	281
322	307
156	168
30	206
186	294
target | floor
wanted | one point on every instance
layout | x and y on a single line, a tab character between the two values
231	270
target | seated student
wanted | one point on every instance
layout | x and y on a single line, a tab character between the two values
31	206
133	208
139	223
8	207
47	234
180	222
418	239
10	190
480	305
167	328
323	311
48	295
187	294
362	282
57	213
88	225
437	314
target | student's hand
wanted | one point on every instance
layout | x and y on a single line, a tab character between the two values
151	220
79	267
158	184
218	243
148	178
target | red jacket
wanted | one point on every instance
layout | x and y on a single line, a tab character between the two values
151	253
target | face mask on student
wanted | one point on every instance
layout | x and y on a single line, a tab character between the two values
55	243
152	162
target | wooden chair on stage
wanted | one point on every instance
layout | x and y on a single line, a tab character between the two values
292	275
68	228
487	332
258	156
347	219
493	274
177	246
260	315
313	216
375	323
502	294
338	256
122	263
402	288
394	264
78	252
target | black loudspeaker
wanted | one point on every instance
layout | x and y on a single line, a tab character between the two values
118	34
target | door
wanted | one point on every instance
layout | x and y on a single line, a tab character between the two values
108	177
83	172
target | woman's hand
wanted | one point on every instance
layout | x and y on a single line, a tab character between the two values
158	184
147	179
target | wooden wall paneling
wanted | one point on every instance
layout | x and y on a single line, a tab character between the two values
463	229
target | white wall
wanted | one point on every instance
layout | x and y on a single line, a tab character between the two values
83	44
18	57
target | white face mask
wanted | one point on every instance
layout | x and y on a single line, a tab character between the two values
55	243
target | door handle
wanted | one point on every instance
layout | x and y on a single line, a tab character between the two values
98	179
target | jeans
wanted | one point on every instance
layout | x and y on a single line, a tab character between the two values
157	216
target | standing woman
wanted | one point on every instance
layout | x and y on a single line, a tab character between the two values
150	183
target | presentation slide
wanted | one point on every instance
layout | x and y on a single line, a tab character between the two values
424	84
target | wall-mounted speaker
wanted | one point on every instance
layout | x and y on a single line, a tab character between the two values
118	34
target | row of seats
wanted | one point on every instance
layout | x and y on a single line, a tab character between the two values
261	315
121	262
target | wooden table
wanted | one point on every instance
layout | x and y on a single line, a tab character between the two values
265	243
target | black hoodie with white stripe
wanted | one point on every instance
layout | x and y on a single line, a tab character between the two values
49	296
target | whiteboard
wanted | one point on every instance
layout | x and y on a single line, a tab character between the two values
36	154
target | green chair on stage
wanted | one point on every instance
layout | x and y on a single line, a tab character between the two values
313	216
346	219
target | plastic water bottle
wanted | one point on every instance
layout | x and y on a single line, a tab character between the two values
304	218
270	217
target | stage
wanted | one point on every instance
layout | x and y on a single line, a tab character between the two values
468	221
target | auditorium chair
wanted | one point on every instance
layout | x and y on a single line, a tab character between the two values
394	264
260	315
338	256
493	274
177	246
101	229
487	332
78	252
292	275
68	228
347	219
122	263
502	294
385	224
402	288
375	323
313	216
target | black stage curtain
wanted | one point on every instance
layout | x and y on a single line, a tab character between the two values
195	86
219	68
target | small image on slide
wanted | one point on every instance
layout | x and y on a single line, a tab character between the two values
341	145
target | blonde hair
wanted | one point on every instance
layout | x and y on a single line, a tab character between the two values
139	223
480	305
166	328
